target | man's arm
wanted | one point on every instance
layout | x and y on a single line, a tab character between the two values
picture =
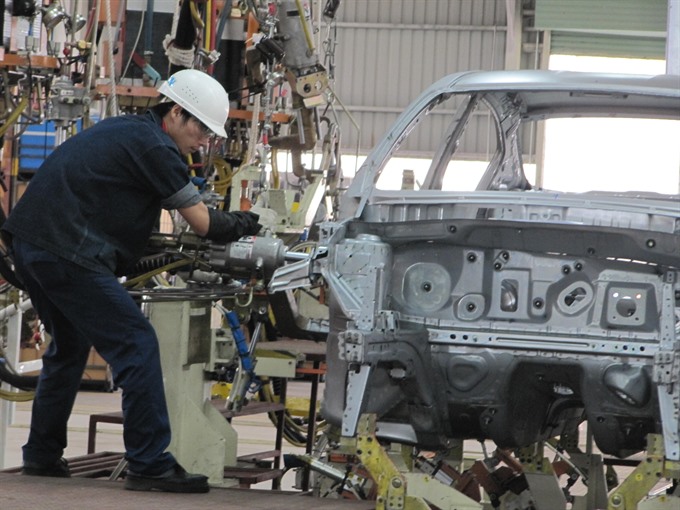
220	226
197	217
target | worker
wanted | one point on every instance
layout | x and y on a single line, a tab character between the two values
84	219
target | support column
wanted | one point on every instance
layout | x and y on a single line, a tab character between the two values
673	38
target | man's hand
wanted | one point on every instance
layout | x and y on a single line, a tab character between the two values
226	227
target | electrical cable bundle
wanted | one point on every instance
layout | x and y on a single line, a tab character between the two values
294	432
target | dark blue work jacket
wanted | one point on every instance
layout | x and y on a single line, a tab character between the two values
96	199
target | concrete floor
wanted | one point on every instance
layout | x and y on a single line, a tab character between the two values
30	493
255	432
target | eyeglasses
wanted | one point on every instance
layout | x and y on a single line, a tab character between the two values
205	130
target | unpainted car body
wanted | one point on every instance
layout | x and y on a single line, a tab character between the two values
506	311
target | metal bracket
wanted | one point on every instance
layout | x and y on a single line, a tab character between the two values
638	484
543	484
666	374
297	275
351	346
391	484
356	391
402	490
666	367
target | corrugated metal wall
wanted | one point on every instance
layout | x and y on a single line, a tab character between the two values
623	16
388	51
613	28
603	45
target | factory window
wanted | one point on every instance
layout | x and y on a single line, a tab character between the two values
459	156
613	154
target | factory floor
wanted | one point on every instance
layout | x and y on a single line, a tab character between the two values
255	434
29	493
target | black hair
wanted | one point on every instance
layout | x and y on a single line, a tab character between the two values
162	109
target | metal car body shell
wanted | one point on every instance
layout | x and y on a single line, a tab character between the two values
507	312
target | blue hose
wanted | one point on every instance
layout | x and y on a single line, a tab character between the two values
240	339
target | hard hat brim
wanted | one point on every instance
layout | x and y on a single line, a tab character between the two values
188	103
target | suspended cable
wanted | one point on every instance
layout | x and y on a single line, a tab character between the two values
113	96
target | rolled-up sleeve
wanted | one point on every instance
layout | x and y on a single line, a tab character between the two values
185	197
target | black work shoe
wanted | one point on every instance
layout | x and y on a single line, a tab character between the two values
58	469
173	480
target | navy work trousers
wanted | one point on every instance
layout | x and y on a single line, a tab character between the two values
81	308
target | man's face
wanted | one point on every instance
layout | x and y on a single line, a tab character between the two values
189	135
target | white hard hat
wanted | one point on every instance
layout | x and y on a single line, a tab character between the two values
201	95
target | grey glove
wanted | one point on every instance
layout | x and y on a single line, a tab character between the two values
226	227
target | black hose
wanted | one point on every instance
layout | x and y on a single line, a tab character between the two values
22	382
6	262
186	32
7	272
185	35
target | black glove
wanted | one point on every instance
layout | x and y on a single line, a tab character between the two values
226	227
